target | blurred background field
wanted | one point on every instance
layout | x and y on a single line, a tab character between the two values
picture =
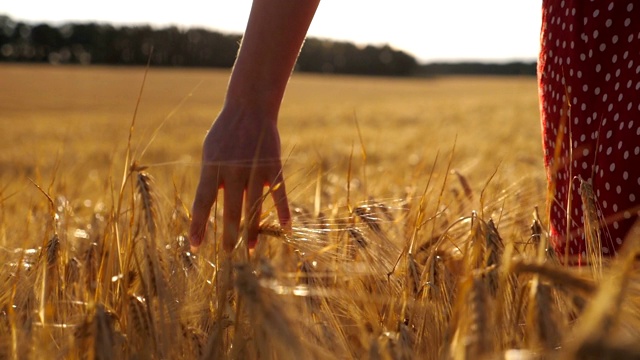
71	124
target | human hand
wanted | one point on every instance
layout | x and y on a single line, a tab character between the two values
240	155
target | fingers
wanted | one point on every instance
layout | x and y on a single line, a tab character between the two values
279	194
206	194
233	193
253	209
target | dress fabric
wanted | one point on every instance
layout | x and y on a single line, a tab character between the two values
589	87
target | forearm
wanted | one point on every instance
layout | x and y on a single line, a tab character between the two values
269	49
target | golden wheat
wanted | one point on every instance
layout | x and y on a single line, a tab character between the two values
395	257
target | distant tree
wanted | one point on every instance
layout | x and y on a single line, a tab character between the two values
346	58
477	68
105	44
46	41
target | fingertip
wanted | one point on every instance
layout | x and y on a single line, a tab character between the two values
252	236
284	215
195	236
281	202
285	222
228	244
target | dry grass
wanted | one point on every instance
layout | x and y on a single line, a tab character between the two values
402	247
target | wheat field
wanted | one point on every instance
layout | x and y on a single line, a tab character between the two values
420	226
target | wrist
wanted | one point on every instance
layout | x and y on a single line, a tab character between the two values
248	112
251	105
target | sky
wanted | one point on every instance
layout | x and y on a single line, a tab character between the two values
430	30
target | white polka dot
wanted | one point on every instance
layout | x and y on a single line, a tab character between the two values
627	22
616	225
612	167
629	7
632	197
614	58
614	39
608	23
619	189
597	12
625	175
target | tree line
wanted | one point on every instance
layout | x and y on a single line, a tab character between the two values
478	68
105	44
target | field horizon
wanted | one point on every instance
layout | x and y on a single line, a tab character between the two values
78	118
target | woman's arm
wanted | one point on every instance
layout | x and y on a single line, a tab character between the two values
241	152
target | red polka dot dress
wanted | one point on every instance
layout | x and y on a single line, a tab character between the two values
589	86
